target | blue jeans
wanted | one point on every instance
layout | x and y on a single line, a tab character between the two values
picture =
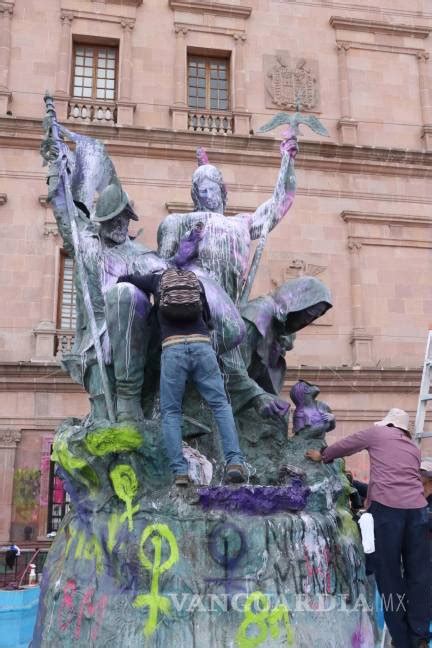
196	362
403	571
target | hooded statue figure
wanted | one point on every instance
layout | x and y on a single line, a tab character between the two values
271	324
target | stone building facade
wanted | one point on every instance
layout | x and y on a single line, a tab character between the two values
156	79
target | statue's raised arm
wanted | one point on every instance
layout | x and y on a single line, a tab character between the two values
271	212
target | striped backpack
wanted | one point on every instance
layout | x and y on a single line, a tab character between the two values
180	295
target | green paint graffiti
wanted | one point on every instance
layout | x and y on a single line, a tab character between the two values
154	601
113	440
266	621
74	465
125	484
87	548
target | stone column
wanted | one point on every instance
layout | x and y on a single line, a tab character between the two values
241	117
125	107
6	11
45	331
9	438
64	64
425	98
179	110
347	125
361	342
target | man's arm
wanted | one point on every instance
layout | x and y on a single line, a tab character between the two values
273	210
148	283
352	444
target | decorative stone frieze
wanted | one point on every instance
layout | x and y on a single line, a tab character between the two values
291	82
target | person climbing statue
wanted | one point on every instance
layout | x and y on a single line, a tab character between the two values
187	355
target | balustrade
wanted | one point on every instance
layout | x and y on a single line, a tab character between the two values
99	112
217	123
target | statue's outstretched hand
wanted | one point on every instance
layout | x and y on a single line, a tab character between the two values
267	406
289	143
188	246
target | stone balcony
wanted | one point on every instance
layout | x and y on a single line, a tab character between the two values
92	111
214	122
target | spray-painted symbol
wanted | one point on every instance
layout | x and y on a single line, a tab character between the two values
125	484
227	546
257	615
157	533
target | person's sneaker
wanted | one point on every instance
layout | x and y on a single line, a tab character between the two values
235	474
182	480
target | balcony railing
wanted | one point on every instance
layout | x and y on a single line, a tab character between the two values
217	123
95	112
64	341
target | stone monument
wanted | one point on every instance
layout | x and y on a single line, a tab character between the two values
136	561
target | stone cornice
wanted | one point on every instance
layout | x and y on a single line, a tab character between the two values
40	377
183	208
347	379
124	3
211	7
418	52
386	219
99	17
379	27
185	27
158	143
35	377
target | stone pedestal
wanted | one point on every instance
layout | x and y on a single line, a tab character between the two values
179	118
125	113
348	131
242	123
44	346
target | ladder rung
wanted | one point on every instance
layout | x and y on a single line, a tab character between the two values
424	435
426	397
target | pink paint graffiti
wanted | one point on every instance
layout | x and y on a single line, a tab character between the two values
66	611
92	611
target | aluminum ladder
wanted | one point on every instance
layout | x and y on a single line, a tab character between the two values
425	395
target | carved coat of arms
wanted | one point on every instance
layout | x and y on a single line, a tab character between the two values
289	84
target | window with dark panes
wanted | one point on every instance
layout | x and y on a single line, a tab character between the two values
58	500
95	72
208	83
66	316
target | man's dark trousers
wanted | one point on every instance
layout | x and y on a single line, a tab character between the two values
403	571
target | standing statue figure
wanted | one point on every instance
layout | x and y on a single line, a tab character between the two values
224	251
120	310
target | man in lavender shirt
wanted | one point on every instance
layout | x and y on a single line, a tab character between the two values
399	508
